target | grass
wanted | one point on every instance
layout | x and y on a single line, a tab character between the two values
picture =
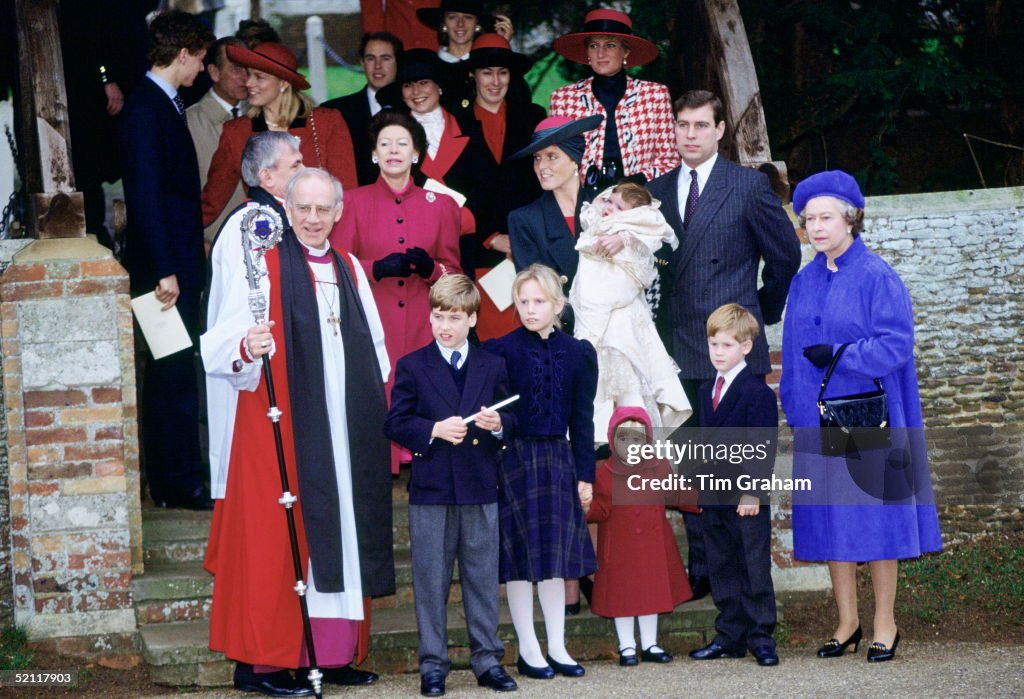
14	652
982	575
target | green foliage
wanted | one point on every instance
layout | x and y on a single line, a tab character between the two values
983	574
14	652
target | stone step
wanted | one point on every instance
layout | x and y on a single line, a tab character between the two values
170	592
177	654
174	535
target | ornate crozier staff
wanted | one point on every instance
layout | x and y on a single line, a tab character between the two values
261	230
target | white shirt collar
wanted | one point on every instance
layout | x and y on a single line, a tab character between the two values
703	173
448	57
730	376
371	97
447	353
227	106
163	85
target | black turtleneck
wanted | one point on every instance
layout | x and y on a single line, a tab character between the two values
609	90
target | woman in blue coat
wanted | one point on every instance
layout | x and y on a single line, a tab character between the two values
875	506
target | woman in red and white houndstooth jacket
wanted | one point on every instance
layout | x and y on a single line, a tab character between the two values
640	139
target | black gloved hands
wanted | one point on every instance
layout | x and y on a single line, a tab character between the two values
422	263
819	355
394	265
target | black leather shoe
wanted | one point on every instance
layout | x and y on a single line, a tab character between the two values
655	654
833	648
497	679
574	670
272	684
628	660
713	651
572	609
534	673
878	653
766	656
701	586
432	684
349	676
587	588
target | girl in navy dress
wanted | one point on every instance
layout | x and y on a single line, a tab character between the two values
546	480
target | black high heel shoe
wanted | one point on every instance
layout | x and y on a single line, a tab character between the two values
878	653
833	648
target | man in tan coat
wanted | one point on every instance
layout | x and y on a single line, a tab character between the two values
225	100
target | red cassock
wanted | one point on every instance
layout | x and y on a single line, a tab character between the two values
332	140
258	620
378	221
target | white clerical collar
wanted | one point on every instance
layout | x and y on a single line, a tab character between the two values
730	376
371	97
447	353
317	252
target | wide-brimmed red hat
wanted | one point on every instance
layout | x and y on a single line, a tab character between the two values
494	50
270	57
607	23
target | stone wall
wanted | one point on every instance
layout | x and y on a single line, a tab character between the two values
69	390
961	255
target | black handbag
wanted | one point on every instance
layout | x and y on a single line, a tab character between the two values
851	424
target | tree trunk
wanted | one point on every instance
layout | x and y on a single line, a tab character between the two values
55	209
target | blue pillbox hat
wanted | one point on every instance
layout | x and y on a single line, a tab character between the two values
830	183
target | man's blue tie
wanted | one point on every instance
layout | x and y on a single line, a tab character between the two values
456	356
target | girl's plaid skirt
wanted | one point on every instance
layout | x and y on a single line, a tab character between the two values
543	530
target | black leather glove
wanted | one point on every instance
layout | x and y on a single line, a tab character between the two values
394	265
422	263
819	355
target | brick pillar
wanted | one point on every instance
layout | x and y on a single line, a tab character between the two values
69	392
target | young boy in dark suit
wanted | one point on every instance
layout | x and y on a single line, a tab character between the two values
453	488
738	412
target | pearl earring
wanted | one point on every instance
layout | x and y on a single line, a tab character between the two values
625	62
415	159
374	159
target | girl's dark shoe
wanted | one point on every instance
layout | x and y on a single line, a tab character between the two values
655	654
573	670
534	673
628	659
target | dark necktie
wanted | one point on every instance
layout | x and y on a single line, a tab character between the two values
456	356
715	399
234	112
691	198
180	104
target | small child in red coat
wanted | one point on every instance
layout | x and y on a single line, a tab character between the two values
639	573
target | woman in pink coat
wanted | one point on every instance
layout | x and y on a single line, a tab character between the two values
639	139
405	237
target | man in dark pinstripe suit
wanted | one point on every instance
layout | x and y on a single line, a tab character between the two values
728	220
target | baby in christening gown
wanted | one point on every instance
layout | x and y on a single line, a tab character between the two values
611	312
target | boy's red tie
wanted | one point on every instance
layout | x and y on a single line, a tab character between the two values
718	392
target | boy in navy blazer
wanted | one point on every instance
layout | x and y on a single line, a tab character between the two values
738	412
453	487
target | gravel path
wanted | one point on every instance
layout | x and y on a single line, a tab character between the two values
920	669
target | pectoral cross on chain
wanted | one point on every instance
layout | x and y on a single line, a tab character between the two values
334	321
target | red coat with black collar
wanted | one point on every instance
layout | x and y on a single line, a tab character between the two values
643	118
